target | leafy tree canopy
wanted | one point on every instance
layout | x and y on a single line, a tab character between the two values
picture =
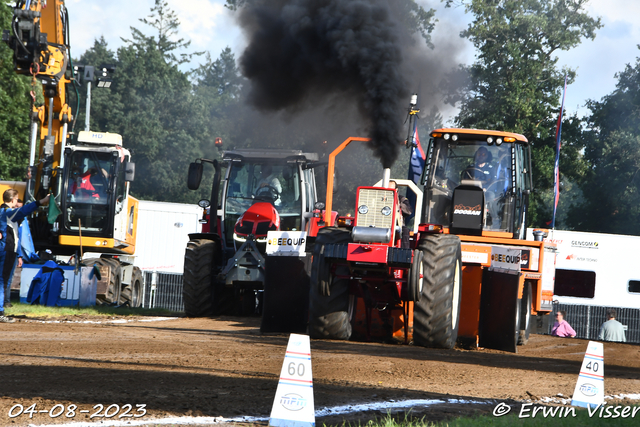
14	111
611	200
166	23
515	84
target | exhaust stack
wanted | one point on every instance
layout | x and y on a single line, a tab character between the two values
386	175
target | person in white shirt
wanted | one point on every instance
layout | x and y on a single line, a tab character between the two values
269	185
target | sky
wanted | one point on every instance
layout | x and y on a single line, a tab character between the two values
211	27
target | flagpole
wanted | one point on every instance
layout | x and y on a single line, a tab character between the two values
556	169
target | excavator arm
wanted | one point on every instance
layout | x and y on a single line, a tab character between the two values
39	39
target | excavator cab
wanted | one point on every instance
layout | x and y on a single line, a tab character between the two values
477	182
95	194
88	191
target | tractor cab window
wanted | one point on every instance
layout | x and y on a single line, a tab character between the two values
278	184
88	191
469	162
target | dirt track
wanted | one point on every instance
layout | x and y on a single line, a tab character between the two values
225	367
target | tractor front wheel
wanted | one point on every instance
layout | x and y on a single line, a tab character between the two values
114	289
132	293
436	314
197	290
329	296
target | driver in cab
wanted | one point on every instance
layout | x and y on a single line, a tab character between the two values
482	169
268	183
485	171
83	186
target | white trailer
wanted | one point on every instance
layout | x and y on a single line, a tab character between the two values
163	234
596	269
595	272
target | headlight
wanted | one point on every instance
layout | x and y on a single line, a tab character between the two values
238	238
363	209
386	211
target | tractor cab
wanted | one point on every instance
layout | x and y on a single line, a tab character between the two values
254	191
266	190
477	182
258	190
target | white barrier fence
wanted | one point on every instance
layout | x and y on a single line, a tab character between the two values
163	290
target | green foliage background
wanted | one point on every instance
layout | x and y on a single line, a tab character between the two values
169	116
14	112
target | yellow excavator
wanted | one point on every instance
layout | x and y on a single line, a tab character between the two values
95	222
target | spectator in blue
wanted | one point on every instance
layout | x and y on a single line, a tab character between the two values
12	215
11	201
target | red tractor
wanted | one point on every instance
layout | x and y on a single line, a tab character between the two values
466	274
227	269
364	281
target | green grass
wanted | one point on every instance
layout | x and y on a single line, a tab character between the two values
40	311
582	419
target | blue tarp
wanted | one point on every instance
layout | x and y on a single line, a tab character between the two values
46	286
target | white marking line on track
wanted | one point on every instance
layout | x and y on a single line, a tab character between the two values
324	412
336	410
152	319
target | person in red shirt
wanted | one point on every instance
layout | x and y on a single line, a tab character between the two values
561	327
83	187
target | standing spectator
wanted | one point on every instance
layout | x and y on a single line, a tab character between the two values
12	215
11	201
612	330
562	328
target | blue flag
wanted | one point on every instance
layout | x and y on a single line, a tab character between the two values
416	166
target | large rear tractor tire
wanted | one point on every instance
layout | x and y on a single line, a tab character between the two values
329	297
436	314
132	293
197	282
525	315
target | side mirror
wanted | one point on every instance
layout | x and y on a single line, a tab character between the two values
195	176
129	171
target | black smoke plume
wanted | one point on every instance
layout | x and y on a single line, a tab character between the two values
305	53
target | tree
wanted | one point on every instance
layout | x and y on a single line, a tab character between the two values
165	21
14	111
515	84
611	199
155	110
222	75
